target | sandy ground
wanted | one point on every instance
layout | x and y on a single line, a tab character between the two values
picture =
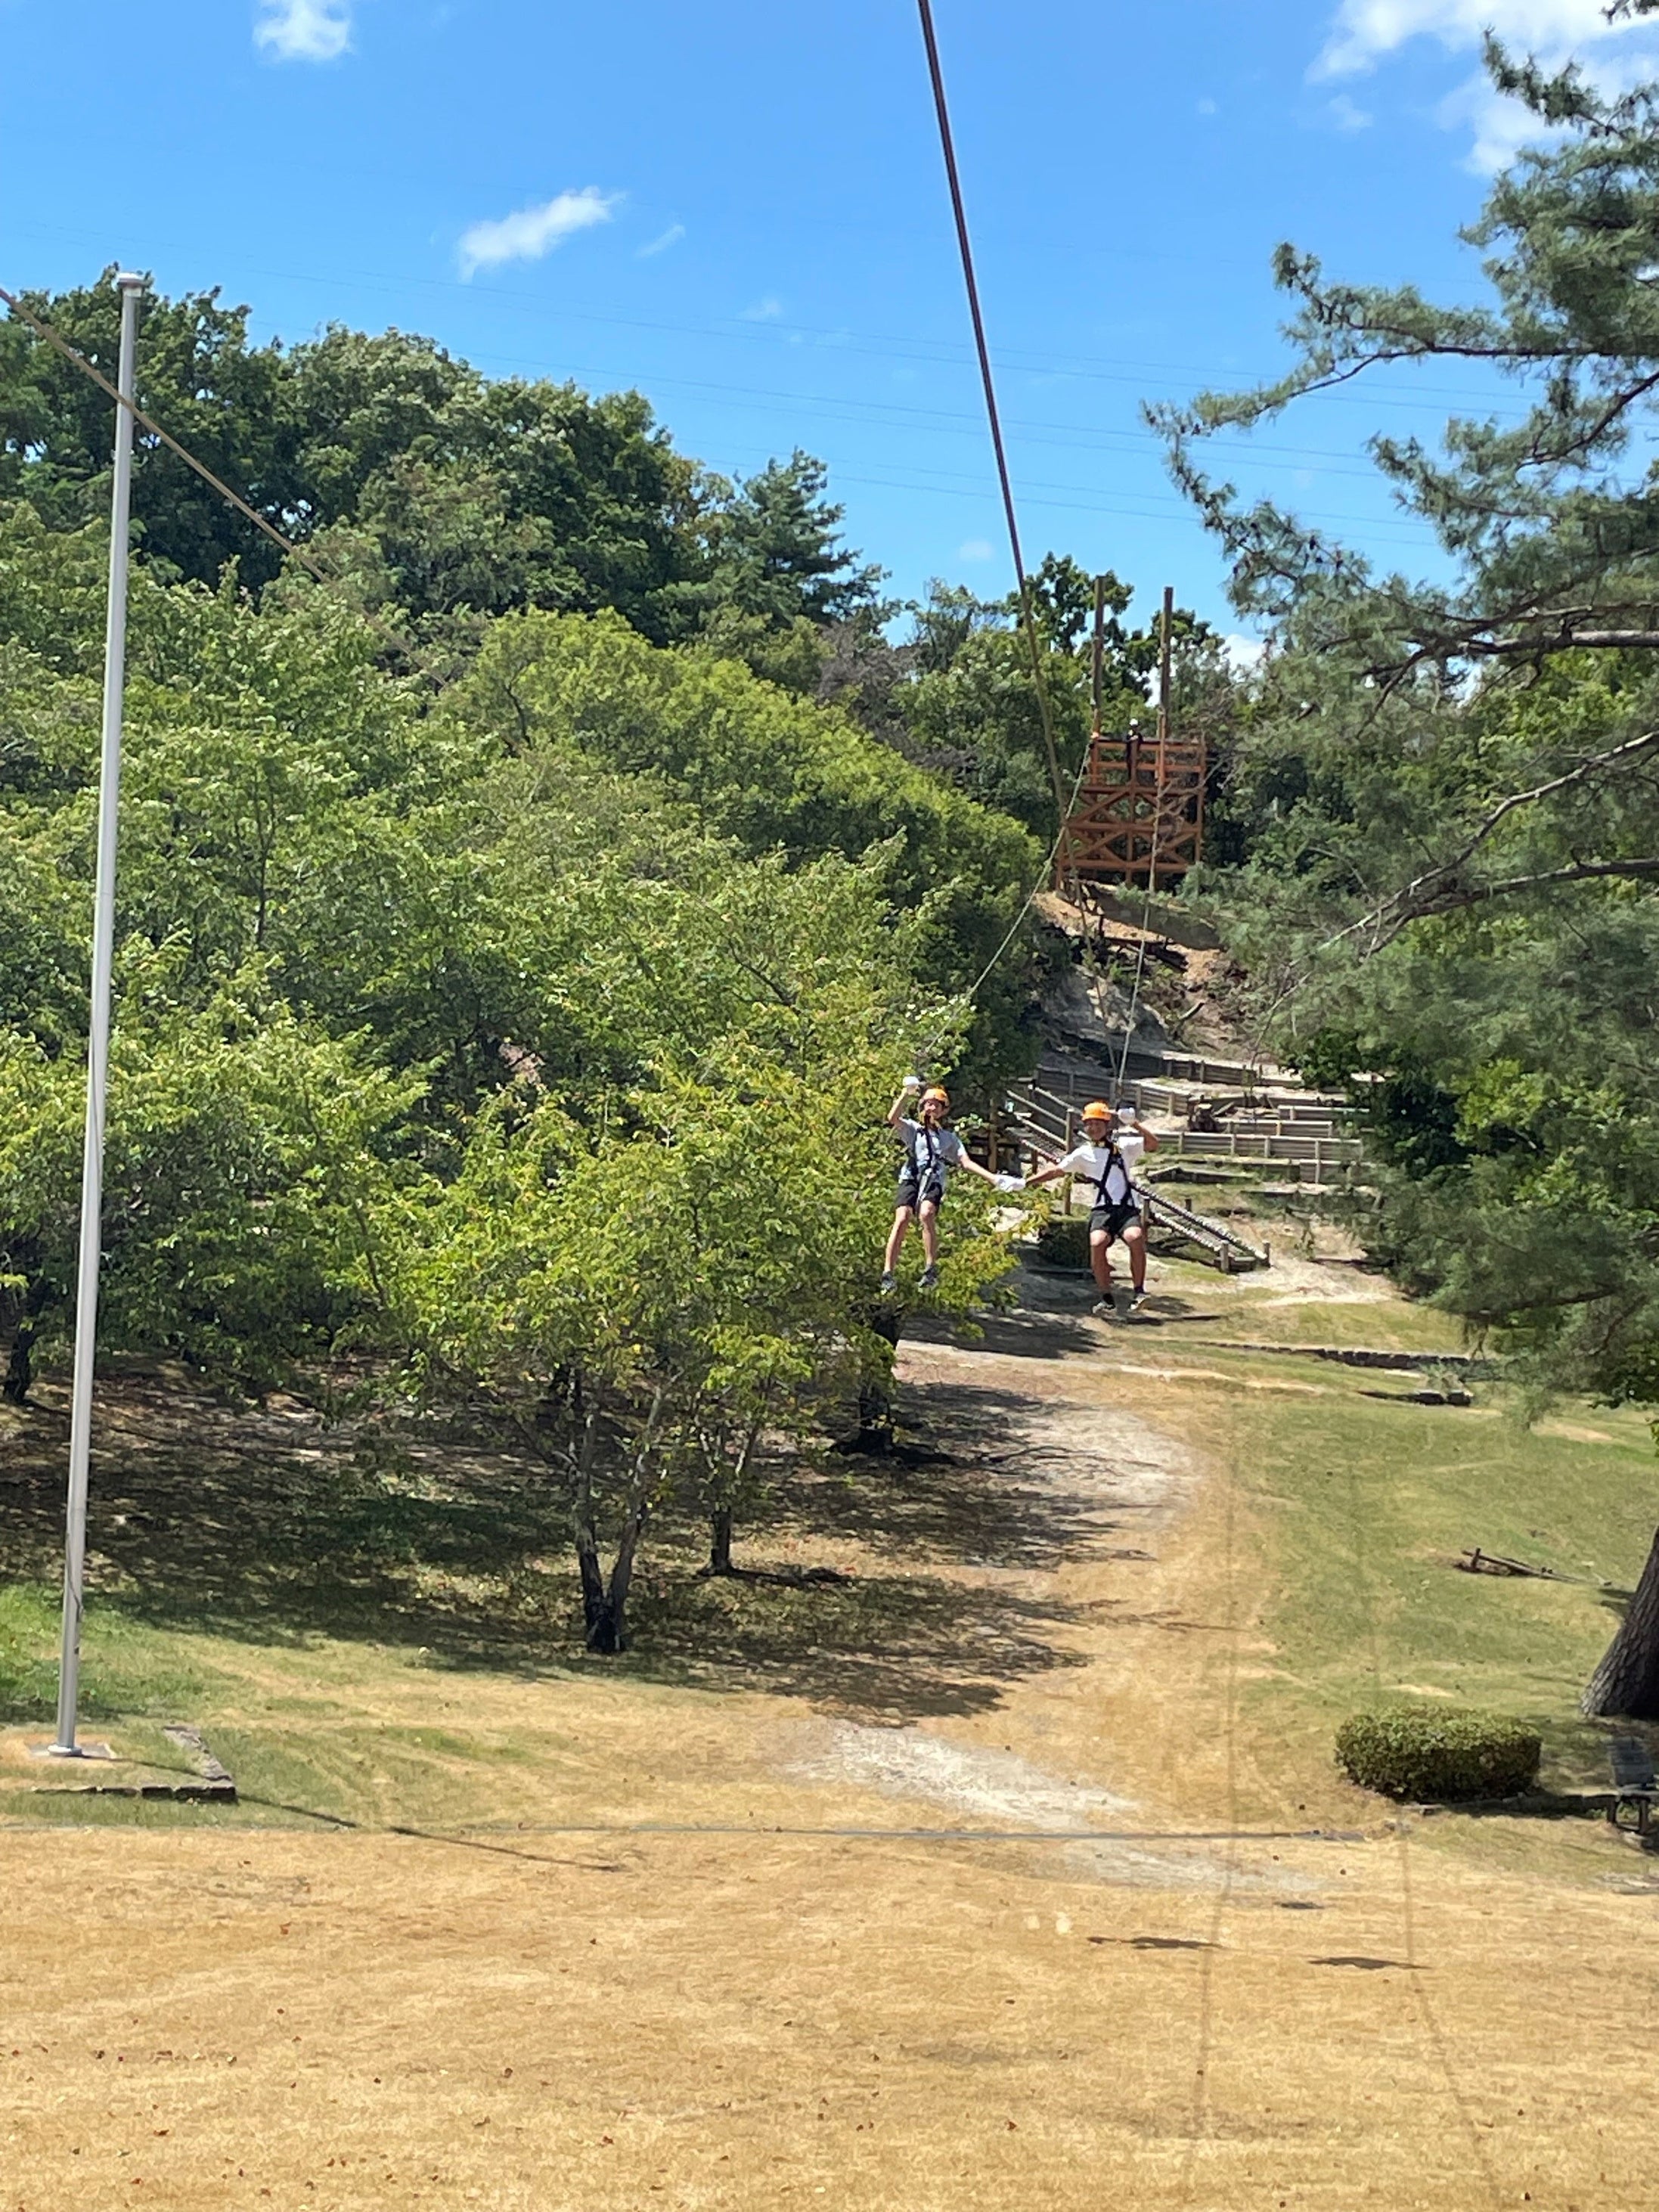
736	1963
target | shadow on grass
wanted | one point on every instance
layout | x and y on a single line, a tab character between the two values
893	1647
1022	1334
259	1525
984	1493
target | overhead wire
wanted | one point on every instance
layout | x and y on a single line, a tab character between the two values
893	345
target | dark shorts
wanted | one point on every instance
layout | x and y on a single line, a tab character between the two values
915	1193
1114	1220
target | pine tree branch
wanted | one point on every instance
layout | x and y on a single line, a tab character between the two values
1451	901
1437	889
1566	639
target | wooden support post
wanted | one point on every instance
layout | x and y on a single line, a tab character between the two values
1098	657
1166	615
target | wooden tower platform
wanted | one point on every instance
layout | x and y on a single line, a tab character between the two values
1138	821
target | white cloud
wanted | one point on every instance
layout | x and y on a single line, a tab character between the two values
1208	107
1346	115
975	549
764	311
1612	57
1364	30
1244	654
532	232
303	30
672	236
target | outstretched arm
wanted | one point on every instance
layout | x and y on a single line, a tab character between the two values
985	1175
1148	1137
1047	1175
907	1090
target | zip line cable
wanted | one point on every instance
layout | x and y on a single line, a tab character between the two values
1062	860
964	244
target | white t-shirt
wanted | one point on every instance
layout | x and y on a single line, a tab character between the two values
932	1151
1094	1162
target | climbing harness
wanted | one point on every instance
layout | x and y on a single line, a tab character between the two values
928	1180
1127	1195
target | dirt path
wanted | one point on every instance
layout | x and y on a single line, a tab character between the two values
731	1962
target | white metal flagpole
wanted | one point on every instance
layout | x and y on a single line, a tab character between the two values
103	955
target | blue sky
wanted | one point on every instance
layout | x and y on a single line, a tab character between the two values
740	209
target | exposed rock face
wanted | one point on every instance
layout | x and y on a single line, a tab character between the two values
1095	1013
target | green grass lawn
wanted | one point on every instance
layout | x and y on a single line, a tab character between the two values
1364	1506
350	1627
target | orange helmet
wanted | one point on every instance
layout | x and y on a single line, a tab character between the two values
1096	1110
935	1096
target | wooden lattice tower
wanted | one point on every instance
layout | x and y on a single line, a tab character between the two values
1138	819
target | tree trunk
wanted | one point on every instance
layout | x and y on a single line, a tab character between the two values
720	1516
609	1632
605	1606
875	1391
586	1535
19	1367
719	1540
1626	1683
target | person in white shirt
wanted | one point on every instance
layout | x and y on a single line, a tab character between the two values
1113	1148
931	1150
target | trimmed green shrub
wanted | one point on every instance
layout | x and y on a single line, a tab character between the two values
1063	1241
1407	1752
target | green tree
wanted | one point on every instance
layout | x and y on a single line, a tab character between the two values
769	771
780	580
644	1290
245	1162
1446	797
971	707
422	484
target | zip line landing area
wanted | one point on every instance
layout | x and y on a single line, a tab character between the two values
953	1885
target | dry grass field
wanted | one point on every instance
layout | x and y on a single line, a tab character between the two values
1012	1874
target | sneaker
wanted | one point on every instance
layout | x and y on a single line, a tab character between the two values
929	1278
889	1282
1104	1310
1136	1299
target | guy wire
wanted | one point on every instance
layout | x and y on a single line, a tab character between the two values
306	560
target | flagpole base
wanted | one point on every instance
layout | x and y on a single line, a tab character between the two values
70	1751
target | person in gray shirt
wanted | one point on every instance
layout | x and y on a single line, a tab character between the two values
931	1150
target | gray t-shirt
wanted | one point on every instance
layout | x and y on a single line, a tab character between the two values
932	1152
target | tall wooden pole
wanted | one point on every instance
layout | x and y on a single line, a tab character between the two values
1166	618
1098	657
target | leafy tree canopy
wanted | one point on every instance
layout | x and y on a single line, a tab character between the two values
435	490
1444	805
